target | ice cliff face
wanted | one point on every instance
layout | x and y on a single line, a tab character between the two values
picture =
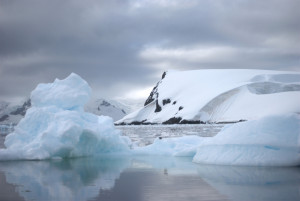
218	96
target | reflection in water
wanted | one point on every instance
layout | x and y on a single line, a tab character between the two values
147	178
253	183
78	179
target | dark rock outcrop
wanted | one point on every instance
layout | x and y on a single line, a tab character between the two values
105	103
154	94
4	117
22	110
158	107
191	122
166	101
173	120
164	75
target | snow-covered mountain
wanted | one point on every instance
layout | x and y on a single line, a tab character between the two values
14	112
112	108
218	96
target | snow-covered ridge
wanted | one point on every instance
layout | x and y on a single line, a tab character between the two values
112	108
12	113
219	96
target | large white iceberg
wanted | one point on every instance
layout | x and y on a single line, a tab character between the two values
270	141
56	125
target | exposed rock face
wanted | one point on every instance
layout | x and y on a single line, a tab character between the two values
173	120
158	108
105	103
152	95
4	117
166	101
11	113
22	110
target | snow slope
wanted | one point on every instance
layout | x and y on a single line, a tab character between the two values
219	96
111	108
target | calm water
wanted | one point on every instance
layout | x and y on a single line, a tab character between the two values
146	134
144	178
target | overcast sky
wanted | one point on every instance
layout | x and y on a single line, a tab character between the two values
122	47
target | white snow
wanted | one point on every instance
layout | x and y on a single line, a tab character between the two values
106	107
57	127
222	95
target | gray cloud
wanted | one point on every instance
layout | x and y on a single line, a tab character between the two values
106	41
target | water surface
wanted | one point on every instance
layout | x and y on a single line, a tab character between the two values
145	178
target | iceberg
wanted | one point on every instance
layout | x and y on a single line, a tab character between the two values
269	141
56	125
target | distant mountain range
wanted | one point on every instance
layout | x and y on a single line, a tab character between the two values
217	96
13	113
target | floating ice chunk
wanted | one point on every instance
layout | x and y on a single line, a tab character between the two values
57	127
70	93
270	141
181	146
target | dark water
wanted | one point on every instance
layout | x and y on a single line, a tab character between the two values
144	178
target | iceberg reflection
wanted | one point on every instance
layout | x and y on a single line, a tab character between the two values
253	183
78	179
147	178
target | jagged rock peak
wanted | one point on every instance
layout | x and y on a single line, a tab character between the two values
154	95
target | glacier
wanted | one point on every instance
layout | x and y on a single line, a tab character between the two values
56	127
